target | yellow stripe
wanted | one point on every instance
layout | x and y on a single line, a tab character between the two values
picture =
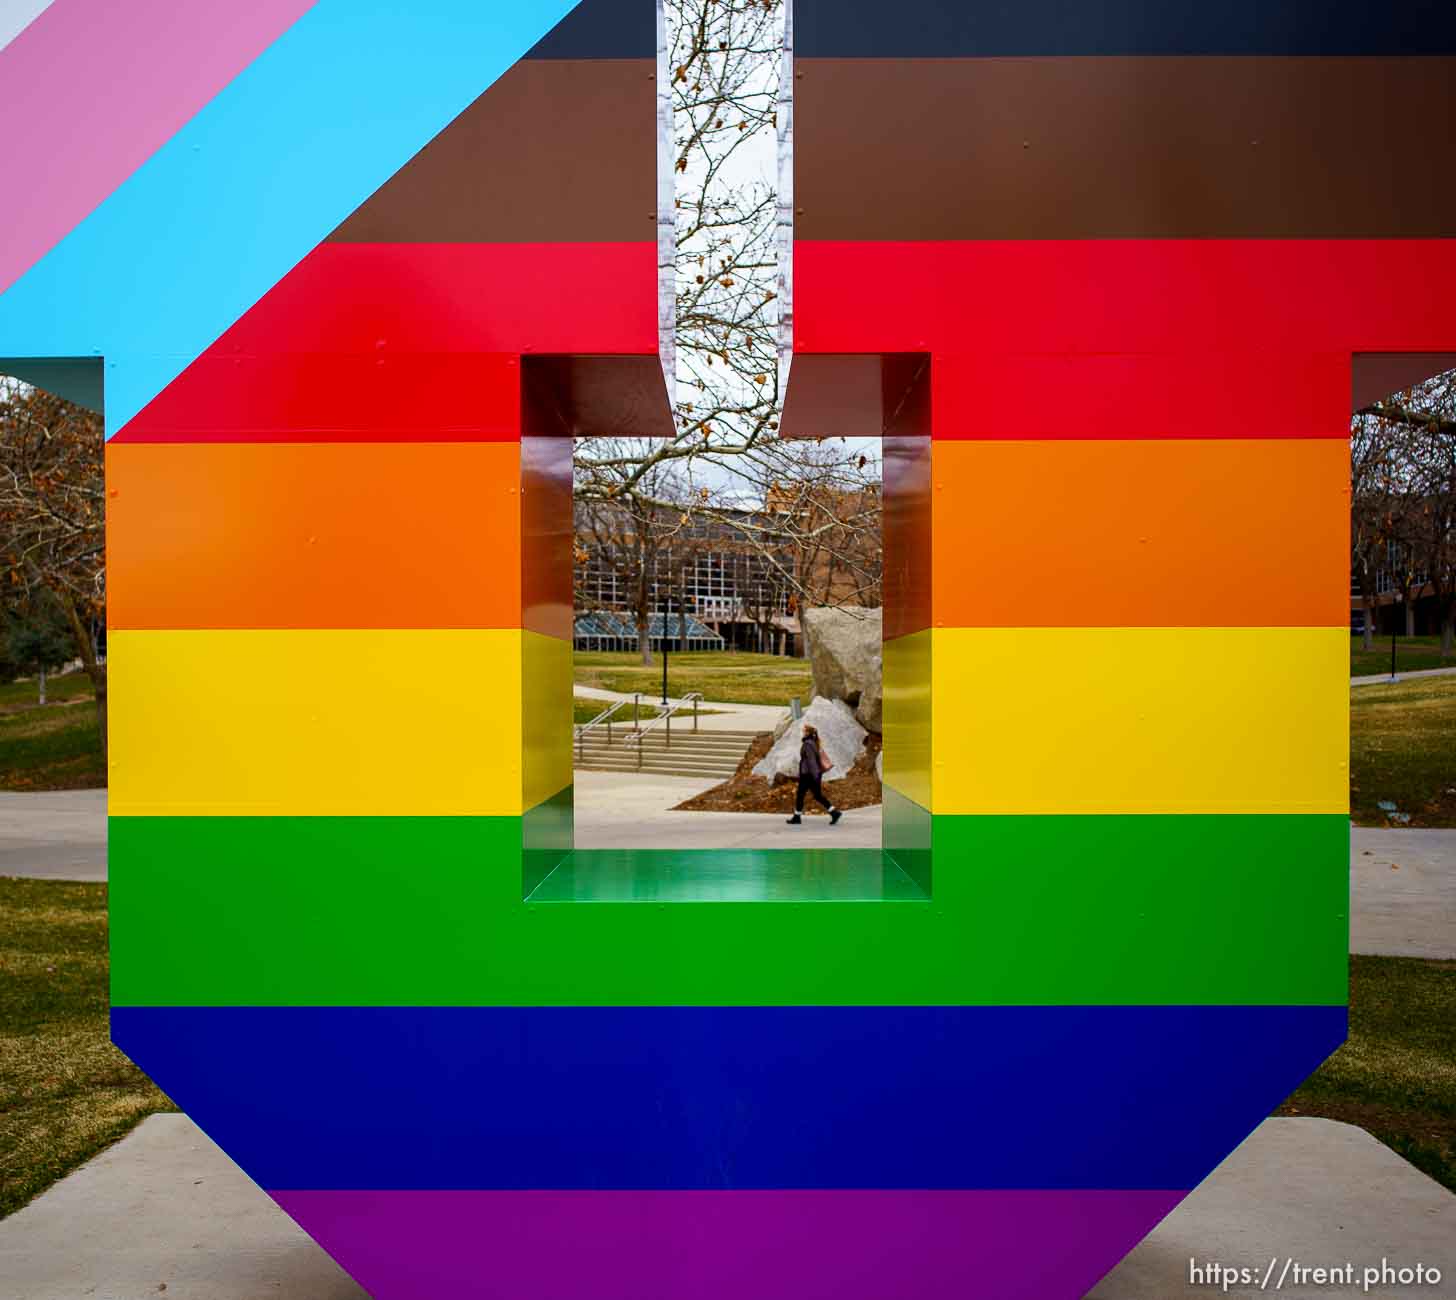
1140	720
907	716
546	678
319	723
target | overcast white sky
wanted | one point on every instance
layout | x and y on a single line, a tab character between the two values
757	161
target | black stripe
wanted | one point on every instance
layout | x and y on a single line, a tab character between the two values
602	29
990	28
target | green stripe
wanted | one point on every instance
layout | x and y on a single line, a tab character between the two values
382	911
727	876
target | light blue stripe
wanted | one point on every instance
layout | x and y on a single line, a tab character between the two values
255	180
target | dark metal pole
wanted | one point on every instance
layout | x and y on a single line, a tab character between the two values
1392	653
666	605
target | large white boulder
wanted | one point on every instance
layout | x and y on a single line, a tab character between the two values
844	655
871	698
842	737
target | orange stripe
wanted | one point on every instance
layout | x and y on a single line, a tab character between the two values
1141	533
351	535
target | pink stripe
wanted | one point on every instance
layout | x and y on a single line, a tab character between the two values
744	1245
91	89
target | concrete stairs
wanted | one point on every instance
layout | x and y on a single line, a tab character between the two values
712	755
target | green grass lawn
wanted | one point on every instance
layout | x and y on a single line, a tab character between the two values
25	695
54	748
1396	1075
1403	751
586	710
65	1091
583	710
1411	653
723	678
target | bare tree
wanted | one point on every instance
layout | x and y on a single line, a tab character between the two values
1403	501
52	515
731	468
630	522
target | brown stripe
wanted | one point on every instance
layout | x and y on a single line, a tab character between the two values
907	536
558	150
595	397
858	395
1105	148
1377	375
546	537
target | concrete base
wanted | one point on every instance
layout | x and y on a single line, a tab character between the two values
166	1209
162	1214
1310	1191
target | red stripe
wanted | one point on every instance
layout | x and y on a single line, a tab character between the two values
1111	295
1210	394
385	342
1131	338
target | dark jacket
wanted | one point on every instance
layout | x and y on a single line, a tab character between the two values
809	759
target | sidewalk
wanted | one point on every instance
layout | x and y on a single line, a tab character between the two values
1403	892
726	717
637	813
165	1213
53	834
1402	882
1376	679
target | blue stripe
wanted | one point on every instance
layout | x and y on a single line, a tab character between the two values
248	187
1004	28
728	1097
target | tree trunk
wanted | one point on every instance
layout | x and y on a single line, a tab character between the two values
95	670
1448	633
1368	636
42	678
1410	618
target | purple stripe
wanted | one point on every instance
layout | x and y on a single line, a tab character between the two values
100	87
712	1245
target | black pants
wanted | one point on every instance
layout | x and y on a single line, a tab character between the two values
809	784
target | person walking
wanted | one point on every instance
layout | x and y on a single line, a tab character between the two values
813	764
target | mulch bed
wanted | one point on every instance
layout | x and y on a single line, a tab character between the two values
744	792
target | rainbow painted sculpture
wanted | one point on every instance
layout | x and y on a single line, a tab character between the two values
351	274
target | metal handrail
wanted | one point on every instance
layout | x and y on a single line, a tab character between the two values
665	717
605	716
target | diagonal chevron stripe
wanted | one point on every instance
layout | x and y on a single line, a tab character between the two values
135	73
17	15
254	181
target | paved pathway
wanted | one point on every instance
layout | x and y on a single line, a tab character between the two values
635	813
165	1213
55	835
1376	679
1402	882
728	717
1308	1190
1403	893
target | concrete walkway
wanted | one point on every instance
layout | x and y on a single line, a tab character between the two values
1310	1191
635	813
165	1213
1377	679
1403	893
1402	882
725	717
53	835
